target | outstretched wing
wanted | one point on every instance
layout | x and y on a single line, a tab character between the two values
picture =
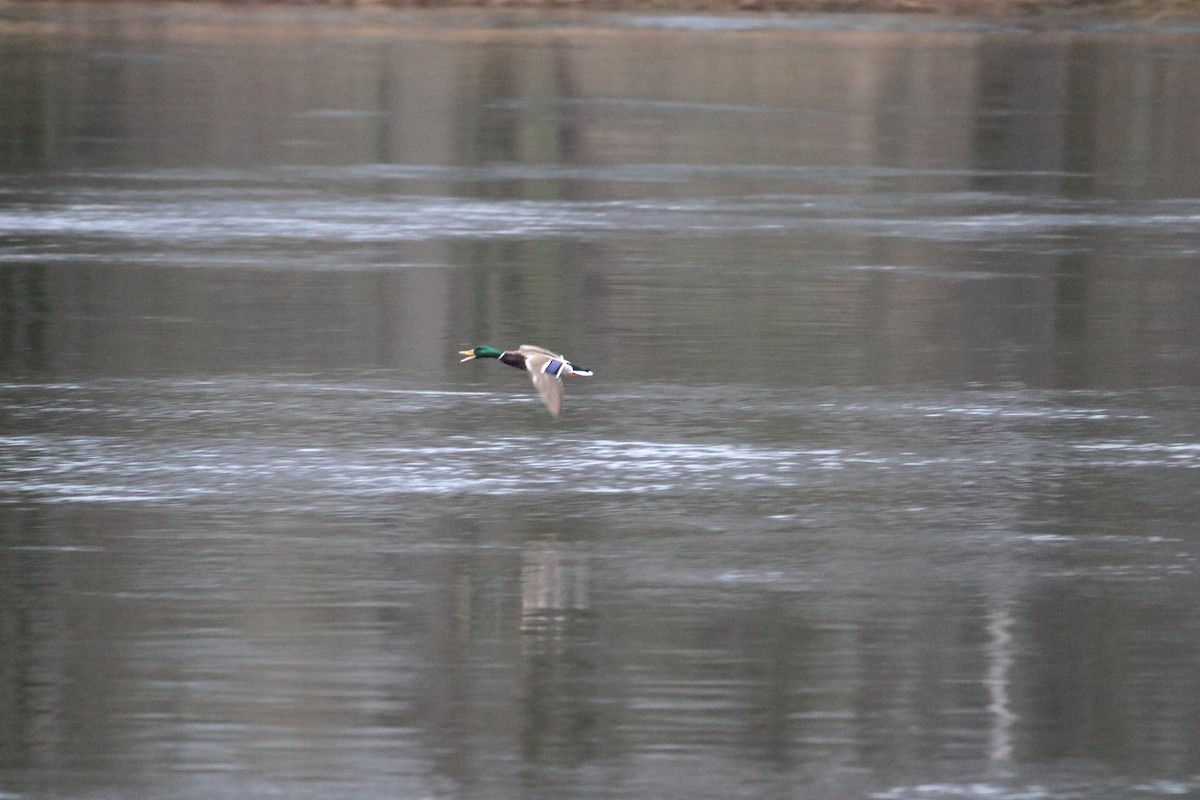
534	350
548	385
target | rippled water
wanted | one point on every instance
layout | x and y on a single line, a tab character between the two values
884	486
340	587
247	224
341	445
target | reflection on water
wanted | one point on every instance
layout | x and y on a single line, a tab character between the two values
292	581
884	488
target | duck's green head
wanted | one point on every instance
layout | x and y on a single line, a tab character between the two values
480	352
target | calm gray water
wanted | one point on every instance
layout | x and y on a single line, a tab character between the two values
885	487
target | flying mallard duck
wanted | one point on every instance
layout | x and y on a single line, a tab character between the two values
544	367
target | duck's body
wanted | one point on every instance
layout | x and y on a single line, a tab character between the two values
546	369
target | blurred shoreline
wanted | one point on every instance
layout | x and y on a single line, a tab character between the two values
1142	10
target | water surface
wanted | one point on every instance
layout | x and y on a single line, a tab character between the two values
884	486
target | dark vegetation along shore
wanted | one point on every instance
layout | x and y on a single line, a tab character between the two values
1142	10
